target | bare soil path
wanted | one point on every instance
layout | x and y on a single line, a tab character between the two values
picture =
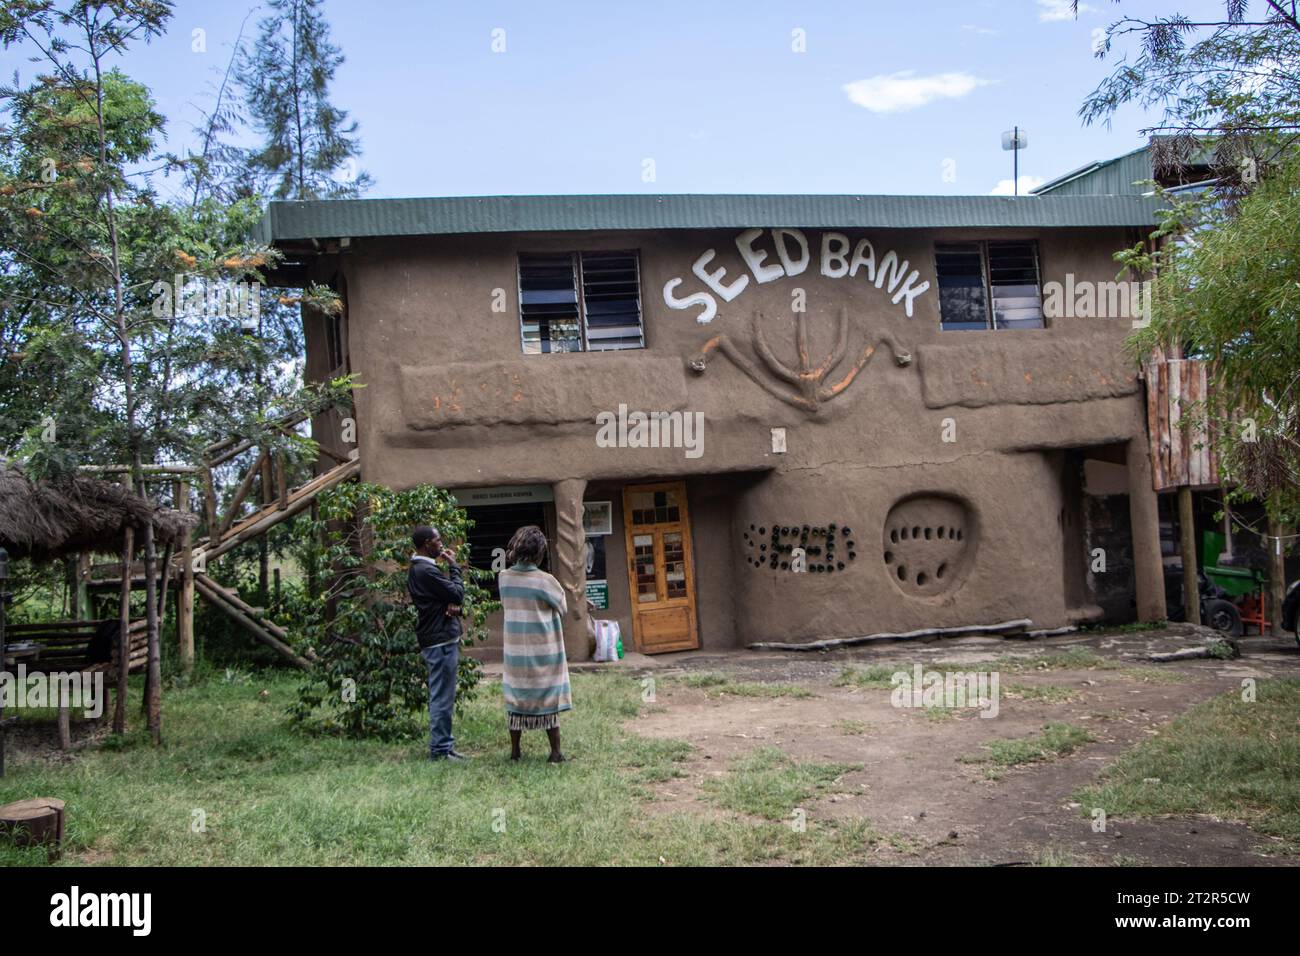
933	806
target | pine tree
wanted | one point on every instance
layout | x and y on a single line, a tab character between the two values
309	147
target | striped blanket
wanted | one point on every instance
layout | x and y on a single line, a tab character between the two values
536	679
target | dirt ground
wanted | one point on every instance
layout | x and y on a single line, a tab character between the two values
932	807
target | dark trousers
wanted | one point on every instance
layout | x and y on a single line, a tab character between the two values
442	663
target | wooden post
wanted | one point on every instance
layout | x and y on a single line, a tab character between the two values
210	504
1187	545
84	610
1144	518
70	587
313	584
65	724
165	581
123	629
124	624
282	479
268	495
264	631
153	664
1276	577
185	600
240	494
263	548
4	586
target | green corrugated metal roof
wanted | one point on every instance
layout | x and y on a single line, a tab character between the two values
1112	177
1115	177
354	218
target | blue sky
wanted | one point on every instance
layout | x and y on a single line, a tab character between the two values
886	98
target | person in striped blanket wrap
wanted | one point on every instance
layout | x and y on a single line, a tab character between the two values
536	678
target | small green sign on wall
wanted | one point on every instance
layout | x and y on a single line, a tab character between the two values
598	594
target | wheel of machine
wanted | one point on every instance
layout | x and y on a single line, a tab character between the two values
1223	616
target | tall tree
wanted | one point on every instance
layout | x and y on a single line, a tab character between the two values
1226	263
215	169
87	222
135	305
1227	290
309	148
1228	85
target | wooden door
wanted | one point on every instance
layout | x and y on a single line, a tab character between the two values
661	569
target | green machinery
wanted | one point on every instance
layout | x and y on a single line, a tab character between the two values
1244	587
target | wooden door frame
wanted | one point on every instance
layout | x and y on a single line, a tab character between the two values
630	530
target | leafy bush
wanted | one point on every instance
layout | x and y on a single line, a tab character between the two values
369	678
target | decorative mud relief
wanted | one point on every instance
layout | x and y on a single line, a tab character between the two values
801	384
828	549
929	544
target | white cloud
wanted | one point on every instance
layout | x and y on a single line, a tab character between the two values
1054	11
1004	186
895	92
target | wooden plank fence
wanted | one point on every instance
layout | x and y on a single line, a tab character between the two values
1182	455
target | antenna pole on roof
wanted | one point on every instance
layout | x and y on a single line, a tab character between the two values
1015	141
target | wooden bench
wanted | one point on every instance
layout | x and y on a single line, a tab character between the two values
67	647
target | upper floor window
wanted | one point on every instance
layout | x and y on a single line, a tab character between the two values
989	285
580	302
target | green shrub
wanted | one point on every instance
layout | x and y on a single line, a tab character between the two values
369	677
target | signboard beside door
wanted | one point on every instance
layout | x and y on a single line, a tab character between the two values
661	571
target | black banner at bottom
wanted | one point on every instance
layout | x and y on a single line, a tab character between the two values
333	906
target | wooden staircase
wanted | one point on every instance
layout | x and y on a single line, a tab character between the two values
235	530
186	566
252	619
269	515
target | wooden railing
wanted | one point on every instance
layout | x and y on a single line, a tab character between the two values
222	531
65	645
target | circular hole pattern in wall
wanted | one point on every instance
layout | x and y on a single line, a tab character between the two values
773	547
928	544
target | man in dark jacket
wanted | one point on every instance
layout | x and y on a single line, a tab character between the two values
437	595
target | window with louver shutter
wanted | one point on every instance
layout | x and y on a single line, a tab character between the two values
985	285
584	301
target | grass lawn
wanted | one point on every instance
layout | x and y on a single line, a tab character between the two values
1056	740
769	783
267	794
1227	757
716	685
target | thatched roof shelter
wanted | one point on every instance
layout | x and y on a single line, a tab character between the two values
46	520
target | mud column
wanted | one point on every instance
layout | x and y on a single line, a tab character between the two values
1144	516
569	563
